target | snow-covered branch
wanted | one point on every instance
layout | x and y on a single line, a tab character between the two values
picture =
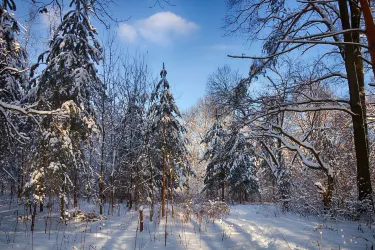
30	111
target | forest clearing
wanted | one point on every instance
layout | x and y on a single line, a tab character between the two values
252	226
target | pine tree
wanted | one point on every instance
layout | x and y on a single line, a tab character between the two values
170	154
68	83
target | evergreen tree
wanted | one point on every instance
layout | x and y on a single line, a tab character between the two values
170	153
242	178
68	83
217	168
230	162
132	152
12	73
12	56
13	86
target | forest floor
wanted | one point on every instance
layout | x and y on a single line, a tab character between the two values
253	226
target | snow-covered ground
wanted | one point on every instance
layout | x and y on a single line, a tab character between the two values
260	226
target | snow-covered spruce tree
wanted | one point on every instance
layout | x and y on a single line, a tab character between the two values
241	162
12	56
13	82
217	168
171	160
12	73
68	82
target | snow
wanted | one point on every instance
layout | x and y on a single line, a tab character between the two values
253	226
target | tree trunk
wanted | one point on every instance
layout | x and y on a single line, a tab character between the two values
166	219
62	203
327	196
222	191
75	188
20	177
152	193
62	212
42	189
113	181
41	206
136	188
101	177
140	220
171	190
130	200
356	24
11	191
130	193
273	188
359	126
113	199
163	187
33	217
370	30
101	195
163	179
151	177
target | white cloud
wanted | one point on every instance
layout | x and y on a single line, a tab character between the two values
160	28
127	32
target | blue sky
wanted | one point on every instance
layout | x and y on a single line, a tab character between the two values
186	36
